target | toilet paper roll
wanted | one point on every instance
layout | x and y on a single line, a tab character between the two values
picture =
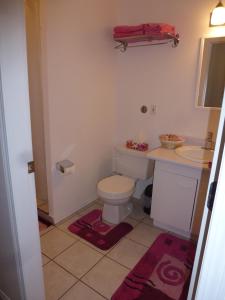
66	167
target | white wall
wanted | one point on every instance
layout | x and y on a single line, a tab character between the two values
90	88
162	75
78	82
36	98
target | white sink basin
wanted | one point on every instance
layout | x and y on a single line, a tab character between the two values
195	153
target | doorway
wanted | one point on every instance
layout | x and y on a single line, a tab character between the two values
32	21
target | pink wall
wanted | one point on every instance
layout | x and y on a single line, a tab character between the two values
78	78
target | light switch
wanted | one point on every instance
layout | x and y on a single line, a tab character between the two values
153	109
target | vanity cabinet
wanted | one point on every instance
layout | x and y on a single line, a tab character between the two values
174	197
179	192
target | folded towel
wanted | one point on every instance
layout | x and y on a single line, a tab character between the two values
128	34
154	30
158	29
128	29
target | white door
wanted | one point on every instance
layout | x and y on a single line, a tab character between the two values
20	257
211	242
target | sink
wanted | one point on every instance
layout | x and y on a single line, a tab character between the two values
195	153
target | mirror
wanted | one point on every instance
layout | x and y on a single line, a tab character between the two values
211	81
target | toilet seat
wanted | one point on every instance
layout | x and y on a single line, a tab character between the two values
116	187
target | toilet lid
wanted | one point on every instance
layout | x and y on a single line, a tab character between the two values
115	187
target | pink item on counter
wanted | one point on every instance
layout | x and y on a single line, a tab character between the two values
136	146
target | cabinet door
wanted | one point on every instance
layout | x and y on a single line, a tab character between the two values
173	199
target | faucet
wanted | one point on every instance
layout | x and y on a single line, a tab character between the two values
209	145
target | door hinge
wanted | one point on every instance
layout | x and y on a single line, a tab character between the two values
211	196
31	167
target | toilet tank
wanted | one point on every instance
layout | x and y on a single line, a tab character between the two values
132	163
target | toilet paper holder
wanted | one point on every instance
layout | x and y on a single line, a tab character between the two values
65	166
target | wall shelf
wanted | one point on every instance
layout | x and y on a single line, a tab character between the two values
145	40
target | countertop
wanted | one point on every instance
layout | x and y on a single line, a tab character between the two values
168	155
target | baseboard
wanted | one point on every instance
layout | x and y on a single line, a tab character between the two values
45	216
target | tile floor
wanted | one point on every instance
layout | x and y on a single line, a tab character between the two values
75	269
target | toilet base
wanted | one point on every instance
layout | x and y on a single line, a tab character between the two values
115	214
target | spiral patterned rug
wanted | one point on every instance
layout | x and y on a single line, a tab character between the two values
93	229
163	273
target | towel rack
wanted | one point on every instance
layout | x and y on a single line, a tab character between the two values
145	40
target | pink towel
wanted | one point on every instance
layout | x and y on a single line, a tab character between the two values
155	30
128	34
125	29
158	29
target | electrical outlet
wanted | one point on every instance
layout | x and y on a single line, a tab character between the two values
153	109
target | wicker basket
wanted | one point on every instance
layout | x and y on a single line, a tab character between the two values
171	141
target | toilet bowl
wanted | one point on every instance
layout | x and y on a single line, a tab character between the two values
116	191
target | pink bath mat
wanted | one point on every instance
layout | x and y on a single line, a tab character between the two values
92	228
163	273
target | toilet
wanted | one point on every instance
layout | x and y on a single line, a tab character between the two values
116	190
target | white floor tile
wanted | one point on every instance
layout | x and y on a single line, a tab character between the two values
54	242
78	259
57	281
127	253
64	225
81	292
144	234
106	277
42	232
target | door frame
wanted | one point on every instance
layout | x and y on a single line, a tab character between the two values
206	241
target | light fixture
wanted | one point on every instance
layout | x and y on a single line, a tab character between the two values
218	15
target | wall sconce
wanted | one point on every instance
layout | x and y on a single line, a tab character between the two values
217	17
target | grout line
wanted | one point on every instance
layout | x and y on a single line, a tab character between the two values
104	256
47	230
84	242
46	255
139	242
52	258
68	233
81	279
129	269
137	220
119	263
62	267
67	290
92	267
93	289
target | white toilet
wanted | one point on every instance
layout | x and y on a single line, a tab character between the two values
116	190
